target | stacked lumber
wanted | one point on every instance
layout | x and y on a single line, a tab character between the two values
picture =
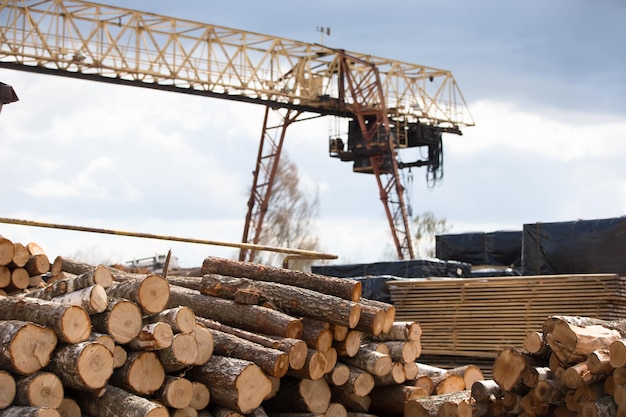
478	317
240	339
571	366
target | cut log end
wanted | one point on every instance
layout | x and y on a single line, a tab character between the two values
76	325
154	294
253	386
31	347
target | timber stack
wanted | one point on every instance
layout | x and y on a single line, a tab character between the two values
242	338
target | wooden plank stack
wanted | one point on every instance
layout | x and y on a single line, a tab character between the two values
478	317
240	339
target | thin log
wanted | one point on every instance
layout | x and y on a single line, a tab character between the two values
390	399
374	362
295	348
317	334
271	361
314	368
122	319
25	347
339	374
70	323
235	383
181	319
153	336
183	352
201	395
509	367
7	250
176	392
389	312
99	275
69	408
37	264
351	344
117	402
290	299
92	299
247	317
483	390
344	288
359	382
204	340
300	395
150	293
7	389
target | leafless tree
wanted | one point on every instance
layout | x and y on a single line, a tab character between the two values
289	221
427	227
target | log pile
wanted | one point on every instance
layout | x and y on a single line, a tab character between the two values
240	339
571	366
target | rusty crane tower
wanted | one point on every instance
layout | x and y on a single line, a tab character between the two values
390	105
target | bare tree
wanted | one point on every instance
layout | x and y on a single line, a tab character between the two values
427	227
290	216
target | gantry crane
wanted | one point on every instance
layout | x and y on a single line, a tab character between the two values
390	105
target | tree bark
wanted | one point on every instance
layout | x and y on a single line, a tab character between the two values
42	389
300	395
295	348
343	288
317	334
7	389
122	320
141	374
27	411
70	323
153	336
483	390
288	298
234	383
92	299
117	402
429	406
390	399
151	293
25	347
359	382
271	361
85	366
352	402
401	330
96	276
247	317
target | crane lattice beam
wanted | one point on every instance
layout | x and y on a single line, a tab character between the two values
95	41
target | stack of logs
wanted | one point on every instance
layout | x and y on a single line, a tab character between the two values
573	366
240	339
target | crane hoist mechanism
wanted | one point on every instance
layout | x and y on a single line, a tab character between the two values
390	106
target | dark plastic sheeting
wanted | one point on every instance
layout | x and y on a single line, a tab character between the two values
501	248
418	268
577	247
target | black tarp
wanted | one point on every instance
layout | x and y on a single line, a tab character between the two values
500	248
576	247
418	268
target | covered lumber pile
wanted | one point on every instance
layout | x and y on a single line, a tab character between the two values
478	317
90	340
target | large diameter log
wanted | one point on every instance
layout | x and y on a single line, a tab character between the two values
247	317
344	288
85	366
142	373
150	293
96	276
7	389
42	389
234	383
28	411
122	319
153	336
573	343
116	402
181	319
300	395
296	349
271	361
70	323
25	347
288	298
92	299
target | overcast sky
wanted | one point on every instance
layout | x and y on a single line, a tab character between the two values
544	81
